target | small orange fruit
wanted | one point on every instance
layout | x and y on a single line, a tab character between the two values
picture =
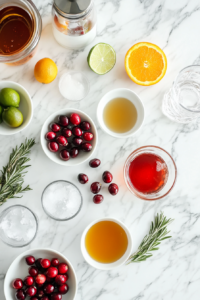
45	70
145	63
60	26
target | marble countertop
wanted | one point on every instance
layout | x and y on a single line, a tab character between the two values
174	271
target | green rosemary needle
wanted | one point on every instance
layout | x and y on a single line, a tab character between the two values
12	176
157	233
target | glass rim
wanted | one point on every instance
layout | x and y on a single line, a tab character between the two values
65	219
36	222
33	42
132	189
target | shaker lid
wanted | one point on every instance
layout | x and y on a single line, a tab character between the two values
72	7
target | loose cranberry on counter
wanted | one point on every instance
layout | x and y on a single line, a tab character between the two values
83	178
31	291
28	280
77	131
61	140
63	289
40	279
33	271
77	141
85	126
88	136
56	296
60	279
53	146
74	152
52	272
62	268
54	262
64	154
107	177
97	199
50	136
86	147
67	132
113	189
30	260
20	295
17	284
75	119
63	121
95	187
55	127
48	288
94	163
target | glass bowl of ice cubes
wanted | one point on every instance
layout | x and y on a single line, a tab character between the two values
18	226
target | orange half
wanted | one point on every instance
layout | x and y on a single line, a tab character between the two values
145	63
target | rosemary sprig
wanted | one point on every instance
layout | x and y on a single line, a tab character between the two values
157	233
12	177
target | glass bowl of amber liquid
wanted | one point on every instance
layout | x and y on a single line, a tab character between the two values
20	31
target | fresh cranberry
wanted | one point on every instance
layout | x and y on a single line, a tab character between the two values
63	121
61	140
67	132
75	119
77	131
45	263
30	260
28	280
54	262
53	146
77	141
95	187
94	163
55	127
85	126
88	136
45	298
64	154
34	298
60	279
49	280
63	289
113	189
33	271
83	178
62	268
20	295
17	284
31	291
107	177
52	272
40	279
74	152
86	147
56	296
40	293
97	199
49	288
50	136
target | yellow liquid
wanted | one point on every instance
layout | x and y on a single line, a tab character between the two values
106	242
120	115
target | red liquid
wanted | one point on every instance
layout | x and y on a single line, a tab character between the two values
148	173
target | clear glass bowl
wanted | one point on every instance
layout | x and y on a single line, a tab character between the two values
172	172
26	53
61	200
18	226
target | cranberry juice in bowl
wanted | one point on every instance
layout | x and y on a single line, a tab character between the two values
150	172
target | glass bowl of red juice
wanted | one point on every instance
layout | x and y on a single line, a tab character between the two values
150	173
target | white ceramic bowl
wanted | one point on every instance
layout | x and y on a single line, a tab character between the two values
123	93
115	264
83	156
19	269
26	107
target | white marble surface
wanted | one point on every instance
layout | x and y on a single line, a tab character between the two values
174	271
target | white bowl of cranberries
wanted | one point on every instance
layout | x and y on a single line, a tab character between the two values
69	137
40	274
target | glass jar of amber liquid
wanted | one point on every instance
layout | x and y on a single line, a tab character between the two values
20	31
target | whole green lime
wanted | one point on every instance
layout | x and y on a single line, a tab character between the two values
12	117
1	111
9	97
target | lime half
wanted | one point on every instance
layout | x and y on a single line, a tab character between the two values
101	58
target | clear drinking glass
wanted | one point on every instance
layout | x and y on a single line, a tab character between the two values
182	103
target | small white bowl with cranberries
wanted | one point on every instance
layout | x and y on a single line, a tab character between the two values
69	137
40	274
